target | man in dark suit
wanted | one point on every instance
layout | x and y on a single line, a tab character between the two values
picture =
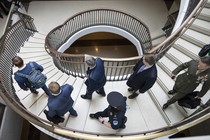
26	69
60	101
96	78
143	77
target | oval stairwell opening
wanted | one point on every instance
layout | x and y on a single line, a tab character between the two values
103	44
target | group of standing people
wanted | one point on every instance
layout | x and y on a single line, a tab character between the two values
59	97
141	80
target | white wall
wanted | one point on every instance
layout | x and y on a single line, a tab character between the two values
11	126
182	11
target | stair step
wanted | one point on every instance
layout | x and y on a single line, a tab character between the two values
188	48
34	44
169	83
36	39
167	62
78	84
202	23
149	109
173	114
81	106
205	11
198	35
200	29
31	55
207	5
35	50
39	105
204	17
45	58
179	55
193	40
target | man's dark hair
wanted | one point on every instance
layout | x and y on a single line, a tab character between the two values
205	60
150	59
17	61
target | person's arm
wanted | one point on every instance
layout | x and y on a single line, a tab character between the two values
38	67
91	85
107	124
21	83
204	89
149	83
67	90
180	68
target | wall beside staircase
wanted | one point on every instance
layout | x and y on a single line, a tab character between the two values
11	126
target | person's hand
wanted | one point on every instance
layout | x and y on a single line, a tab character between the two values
100	119
197	97
173	76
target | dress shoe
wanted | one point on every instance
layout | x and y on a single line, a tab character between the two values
36	92
45	112
73	113
165	106
171	92
84	96
92	116
134	95
130	89
102	94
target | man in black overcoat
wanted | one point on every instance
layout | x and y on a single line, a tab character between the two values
143	77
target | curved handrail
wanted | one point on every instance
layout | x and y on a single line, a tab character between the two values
7	94
93	17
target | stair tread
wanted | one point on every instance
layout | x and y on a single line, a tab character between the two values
200	36
188	46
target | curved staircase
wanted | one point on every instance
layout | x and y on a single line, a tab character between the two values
145	112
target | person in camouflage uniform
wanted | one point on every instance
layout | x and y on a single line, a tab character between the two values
198	71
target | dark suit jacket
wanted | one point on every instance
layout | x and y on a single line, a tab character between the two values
144	80
96	76
59	105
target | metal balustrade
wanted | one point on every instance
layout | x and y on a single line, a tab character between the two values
18	33
109	17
